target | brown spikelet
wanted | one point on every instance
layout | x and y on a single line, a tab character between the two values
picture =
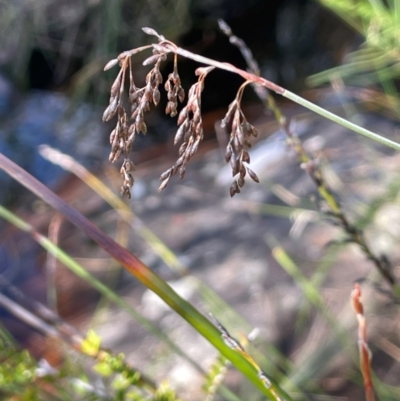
174	90
239	142
131	121
190	131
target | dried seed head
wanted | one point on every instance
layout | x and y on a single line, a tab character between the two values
175	92
203	71
253	175
190	123
151	31
123	136
234	189
111	110
181	94
164	184
228	153
246	156
179	134
156	96
151	59
111	64
239	142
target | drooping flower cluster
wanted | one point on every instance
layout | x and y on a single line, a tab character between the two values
131	121
190	130
174	91
239	142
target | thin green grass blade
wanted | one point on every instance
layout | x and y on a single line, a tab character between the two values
81	272
276	361
310	290
147	277
104	290
155	243
215	304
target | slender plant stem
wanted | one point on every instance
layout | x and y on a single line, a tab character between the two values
339	120
312	167
167	46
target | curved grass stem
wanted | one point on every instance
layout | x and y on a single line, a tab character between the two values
248	76
313	169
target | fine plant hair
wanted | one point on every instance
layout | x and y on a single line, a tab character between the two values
190	130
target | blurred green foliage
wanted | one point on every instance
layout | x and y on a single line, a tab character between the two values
23	379
17	373
377	58
76	38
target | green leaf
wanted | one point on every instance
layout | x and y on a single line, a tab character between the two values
103	368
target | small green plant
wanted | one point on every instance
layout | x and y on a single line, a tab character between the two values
17	372
24	377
